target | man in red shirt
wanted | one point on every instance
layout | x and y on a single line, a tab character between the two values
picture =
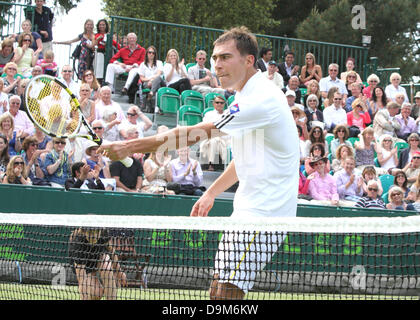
132	56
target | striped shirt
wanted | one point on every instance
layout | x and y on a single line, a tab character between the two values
368	202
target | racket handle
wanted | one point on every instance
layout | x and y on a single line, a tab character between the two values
128	162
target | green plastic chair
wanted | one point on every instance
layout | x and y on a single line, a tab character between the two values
168	101
189	116
377	164
387	180
385	198
400	146
208	99
329	137
353	140
192	98
189	65
230	100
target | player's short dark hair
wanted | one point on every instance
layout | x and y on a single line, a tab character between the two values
246	42
76	167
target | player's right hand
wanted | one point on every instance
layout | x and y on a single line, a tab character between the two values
203	206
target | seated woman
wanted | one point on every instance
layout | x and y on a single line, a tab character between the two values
412	169
322	186
350	79
313	114
396	200
359	117
12	79
89	78
87	105
4	155
175	73
414	192
16	172
25	57
300	119
365	149
316	135
341	134
313	88
6	53
157	173
343	151
349	182
57	164
329	101
406	154
368	174
7	128
392	89
378	101
310	71
95	264
317	151
373	80
350	67
31	156
387	153
400	180
150	72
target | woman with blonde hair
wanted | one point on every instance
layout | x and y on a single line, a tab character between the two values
25	57
387	153
396	200
7	128
175	72
365	149
312	88
310	71
16	172
359	117
341	134
329	101
373	81
343	151
6	53
86	104
11	80
89	78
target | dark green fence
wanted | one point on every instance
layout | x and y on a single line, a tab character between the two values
11	17
189	39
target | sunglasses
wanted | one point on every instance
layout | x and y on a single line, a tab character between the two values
333	70
17	163
88	74
341	131
97	128
373	81
27	40
131	114
396	194
65	71
151	52
337	99
219	102
60	142
372	189
416	157
387	140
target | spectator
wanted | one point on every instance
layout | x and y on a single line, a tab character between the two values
335	114
400	180
365	149
21	120
48	65
128	179
201	78
316	135
57	164
329	101
43	19
12	80
415	111
25	57
399	98
6	54
87	43
105	102
303	187
7	128
293	85
314	116
368	174
372	200
359	117
291	100
150	72
133	114
32	157
287	69
322	186
387	153
4	99
350	66
16	172
378	101
349	183
36	71
111	132
273	75
132	56
4	155
98	126
186	174
355	92
408	124
317	150
266	54
175	72
67	78
396	200
343	152
44	142
392	89
157	173
350	80
301	121
36	45
412	169
89	78
83	177
386	122
406	155
313	88
310	71
325	84
372	81
87	105
341	134
212	148
102	28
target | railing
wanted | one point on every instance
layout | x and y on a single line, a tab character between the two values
11	17
189	39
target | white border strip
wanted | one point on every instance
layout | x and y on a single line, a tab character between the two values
299	224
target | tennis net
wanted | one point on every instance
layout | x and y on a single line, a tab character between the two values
176	258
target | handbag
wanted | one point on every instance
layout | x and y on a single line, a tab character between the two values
77	51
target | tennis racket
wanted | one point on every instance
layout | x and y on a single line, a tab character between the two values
55	110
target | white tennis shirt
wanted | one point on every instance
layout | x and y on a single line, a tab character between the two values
265	148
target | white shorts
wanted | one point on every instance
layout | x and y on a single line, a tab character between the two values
241	255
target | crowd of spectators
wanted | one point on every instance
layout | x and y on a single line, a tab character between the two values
352	133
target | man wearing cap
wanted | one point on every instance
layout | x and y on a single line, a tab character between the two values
294	86
415	110
291	100
273	75
322	186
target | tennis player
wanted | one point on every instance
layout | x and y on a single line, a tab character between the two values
265	148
